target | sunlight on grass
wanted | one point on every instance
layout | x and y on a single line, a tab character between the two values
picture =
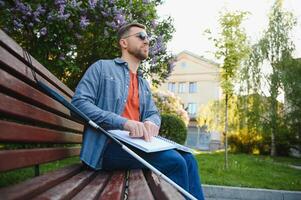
249	171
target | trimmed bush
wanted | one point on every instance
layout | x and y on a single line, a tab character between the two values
173	128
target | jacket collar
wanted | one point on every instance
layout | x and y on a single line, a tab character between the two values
124	63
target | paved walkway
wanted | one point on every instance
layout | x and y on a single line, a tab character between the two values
213	192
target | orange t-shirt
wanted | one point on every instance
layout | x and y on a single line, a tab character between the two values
131	110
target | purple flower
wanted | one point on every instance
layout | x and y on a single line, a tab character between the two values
17	24
40	9
50	17
111	2
30	24
92	4
154	24
120	19
146	1
113	25
43	31
154	60
24	9
62	15
73	4
84	22
60	2
62	9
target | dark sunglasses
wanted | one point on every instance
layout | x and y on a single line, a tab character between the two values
142	35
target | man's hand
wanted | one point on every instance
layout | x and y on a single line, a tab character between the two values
152	128
137	129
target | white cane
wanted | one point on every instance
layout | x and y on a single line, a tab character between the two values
84	117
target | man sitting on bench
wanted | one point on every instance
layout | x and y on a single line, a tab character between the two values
115	96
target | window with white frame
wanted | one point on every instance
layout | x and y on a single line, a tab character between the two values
181	87
192	108
172	86
192	87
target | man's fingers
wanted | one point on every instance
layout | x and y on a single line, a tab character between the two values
146	134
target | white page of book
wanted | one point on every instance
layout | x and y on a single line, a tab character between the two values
154	145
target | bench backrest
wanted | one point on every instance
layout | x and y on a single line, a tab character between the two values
27	115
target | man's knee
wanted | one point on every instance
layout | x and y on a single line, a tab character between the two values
176	162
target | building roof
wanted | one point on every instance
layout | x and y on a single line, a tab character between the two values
198	57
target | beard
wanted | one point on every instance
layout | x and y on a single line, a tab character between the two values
139	53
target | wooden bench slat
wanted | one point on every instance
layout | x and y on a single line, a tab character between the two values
32	113
114	190
34	96
138	186
15	132
14	159
9	43
68	188
12	64
37	185
161	189
94	188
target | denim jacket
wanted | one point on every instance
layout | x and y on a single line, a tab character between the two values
102	94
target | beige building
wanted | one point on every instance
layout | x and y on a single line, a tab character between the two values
195	80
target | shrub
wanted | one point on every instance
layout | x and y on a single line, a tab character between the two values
173	128
246	142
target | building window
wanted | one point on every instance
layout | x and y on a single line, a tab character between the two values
181	87
172	87
183	64
192	87
192	109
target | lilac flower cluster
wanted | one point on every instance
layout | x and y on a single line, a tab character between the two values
84	22
145	1
23	14
158	47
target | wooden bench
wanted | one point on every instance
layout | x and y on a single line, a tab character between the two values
27	115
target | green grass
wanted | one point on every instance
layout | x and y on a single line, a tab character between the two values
244	171
16	176
250	171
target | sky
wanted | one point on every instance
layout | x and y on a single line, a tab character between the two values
193	17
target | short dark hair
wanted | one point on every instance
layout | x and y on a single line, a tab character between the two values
124	30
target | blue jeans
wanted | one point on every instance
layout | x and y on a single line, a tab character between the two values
179	166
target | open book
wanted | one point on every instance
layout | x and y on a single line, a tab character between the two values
157	143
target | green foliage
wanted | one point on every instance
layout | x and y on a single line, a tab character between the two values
68	36
232	47
168	103
290	77
173	128
246	127
272	49
246	142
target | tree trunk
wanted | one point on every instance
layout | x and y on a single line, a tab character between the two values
225	133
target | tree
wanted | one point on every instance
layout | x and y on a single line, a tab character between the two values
232	47
290	77
274	46
68	36
245	130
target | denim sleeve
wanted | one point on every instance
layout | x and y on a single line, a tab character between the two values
86	96
152	112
